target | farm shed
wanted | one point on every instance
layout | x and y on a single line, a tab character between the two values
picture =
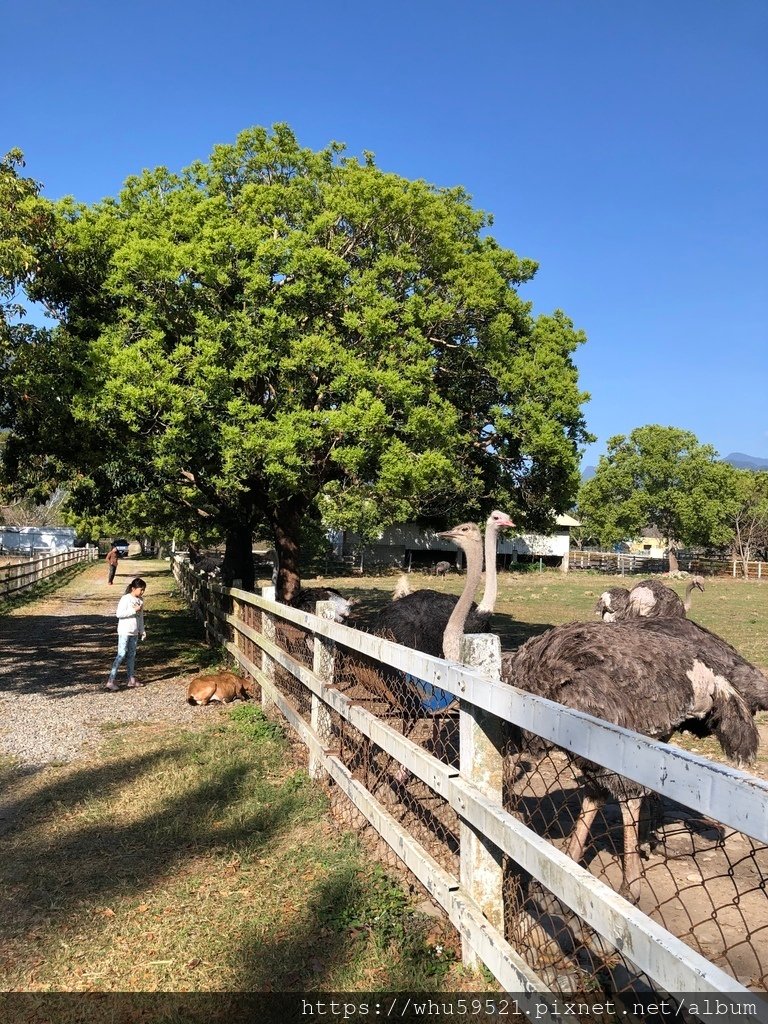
411	546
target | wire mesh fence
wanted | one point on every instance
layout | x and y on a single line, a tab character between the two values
399	700
704	882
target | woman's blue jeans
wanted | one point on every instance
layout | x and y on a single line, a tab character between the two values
126	648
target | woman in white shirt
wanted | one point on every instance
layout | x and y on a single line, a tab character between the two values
130	626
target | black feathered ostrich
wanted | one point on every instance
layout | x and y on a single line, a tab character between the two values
418	620
647	599
614	605
307	598
643	680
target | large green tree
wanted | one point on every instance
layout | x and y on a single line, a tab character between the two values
279	334
663	477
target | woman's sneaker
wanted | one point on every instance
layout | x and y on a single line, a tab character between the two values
134	683
112	685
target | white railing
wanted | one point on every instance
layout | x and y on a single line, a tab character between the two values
17	576
732	797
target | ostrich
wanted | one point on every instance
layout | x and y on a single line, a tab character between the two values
205	565
307	598
647	599
418	620
635	677
747	679
441	568
650	598
615	605
612	604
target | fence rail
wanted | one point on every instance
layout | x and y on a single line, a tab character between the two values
620	563
480	825
17	576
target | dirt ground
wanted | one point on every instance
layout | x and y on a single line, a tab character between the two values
56	656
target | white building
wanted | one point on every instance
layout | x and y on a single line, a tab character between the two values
553	547
27	540
411	546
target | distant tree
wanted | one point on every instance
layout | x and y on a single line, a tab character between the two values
581	537
749	515
26	513
281	333
663	477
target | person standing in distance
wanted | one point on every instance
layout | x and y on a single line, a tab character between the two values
130	627
112	559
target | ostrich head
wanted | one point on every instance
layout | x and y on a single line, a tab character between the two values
499	520
611	603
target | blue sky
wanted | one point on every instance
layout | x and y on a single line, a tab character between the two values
621	145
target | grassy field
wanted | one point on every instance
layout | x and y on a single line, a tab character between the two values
531	602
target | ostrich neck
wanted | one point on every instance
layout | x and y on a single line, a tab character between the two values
488	602
454	629
687	602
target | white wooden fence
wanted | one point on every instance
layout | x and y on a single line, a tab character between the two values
17	576
472	898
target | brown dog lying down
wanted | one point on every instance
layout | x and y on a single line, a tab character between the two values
219	686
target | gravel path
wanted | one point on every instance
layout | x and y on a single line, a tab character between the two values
55	656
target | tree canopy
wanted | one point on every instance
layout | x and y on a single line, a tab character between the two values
279	334
663	477
749	515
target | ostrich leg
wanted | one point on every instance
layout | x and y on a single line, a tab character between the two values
578	841
630	813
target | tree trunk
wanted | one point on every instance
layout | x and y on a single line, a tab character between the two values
674	565
286	529
238	557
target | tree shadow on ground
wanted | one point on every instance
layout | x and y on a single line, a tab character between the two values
307	954
104	859
67	655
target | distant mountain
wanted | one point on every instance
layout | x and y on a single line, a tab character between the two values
588	472
742	461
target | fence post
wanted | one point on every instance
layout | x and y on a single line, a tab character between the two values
267	663
323	661
481	762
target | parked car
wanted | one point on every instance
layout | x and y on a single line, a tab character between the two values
122	547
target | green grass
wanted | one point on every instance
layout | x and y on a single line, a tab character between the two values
530	602
200	861
38	591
